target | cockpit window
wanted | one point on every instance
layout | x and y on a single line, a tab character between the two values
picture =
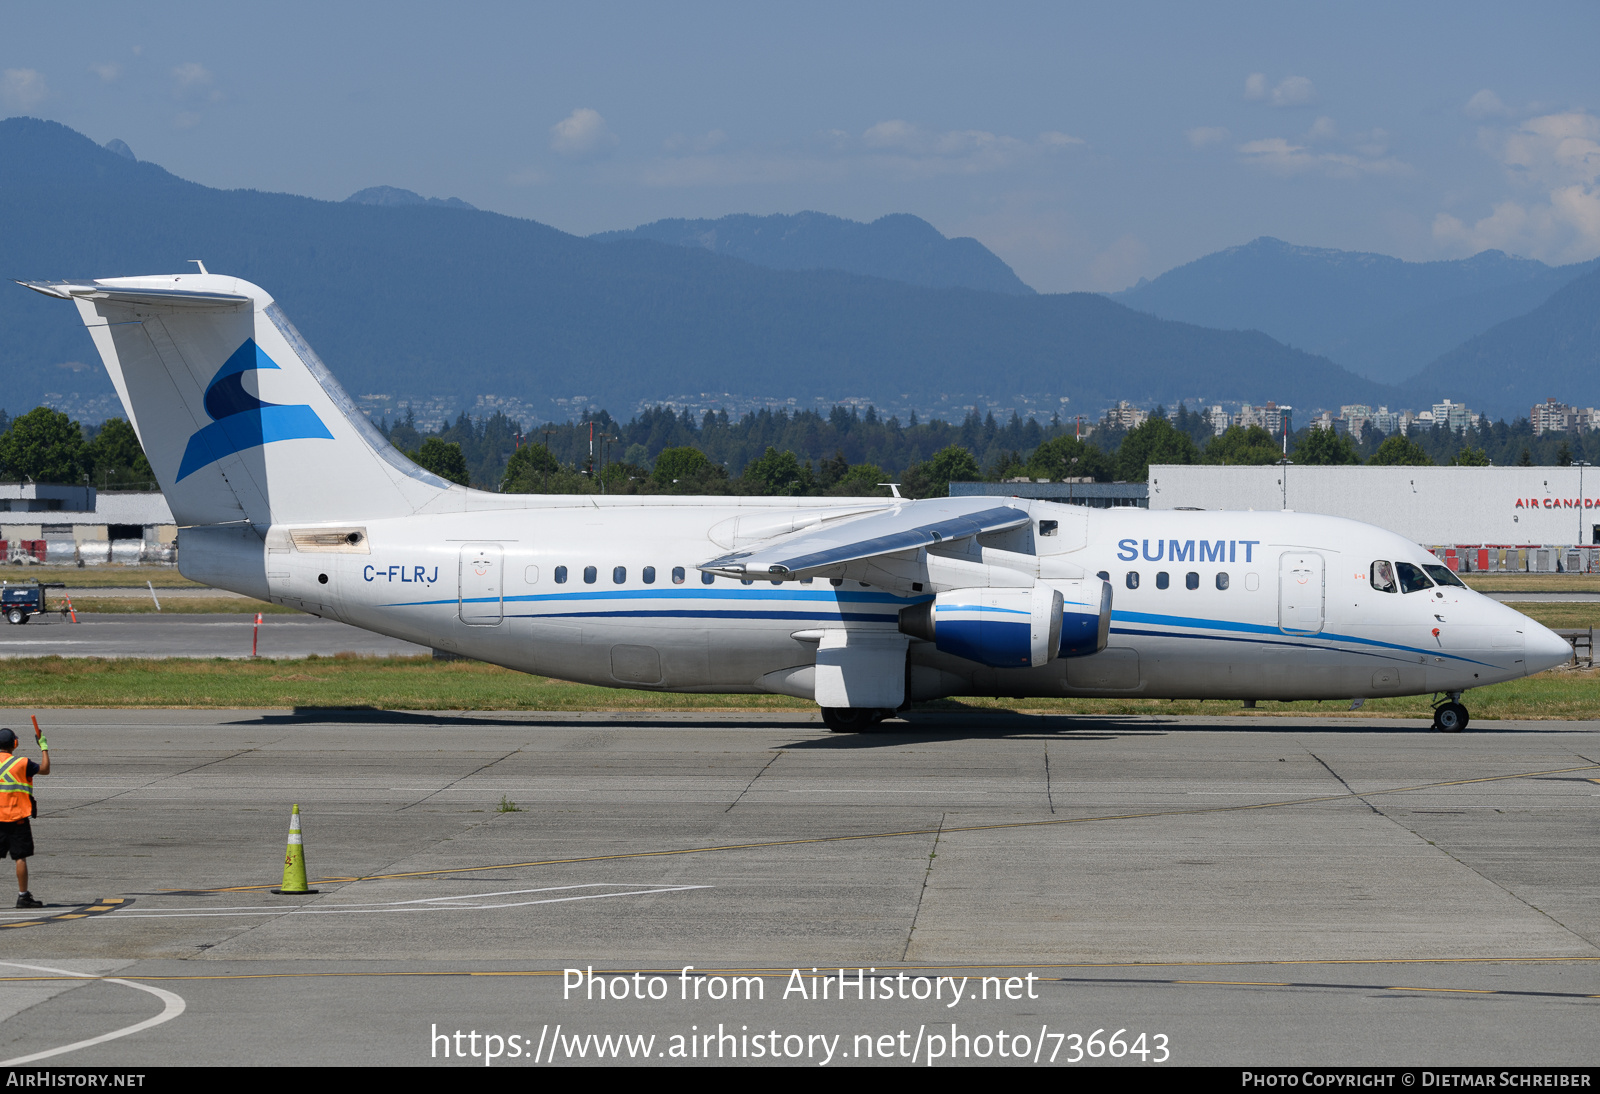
1443	576
1412	579
1383	577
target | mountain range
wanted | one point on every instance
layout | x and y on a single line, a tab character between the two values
1381	317
426	297
898	247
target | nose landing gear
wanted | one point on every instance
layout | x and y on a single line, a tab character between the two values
1450	716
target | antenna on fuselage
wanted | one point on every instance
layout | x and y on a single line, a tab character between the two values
202	266
894	487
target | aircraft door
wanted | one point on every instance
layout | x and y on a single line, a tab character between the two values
482	569
1301	592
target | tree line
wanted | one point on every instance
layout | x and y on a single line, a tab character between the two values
46	446
847	452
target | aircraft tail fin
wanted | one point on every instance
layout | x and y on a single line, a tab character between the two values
240	419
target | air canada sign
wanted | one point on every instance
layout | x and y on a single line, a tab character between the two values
1555	503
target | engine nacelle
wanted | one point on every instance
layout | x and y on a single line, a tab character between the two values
1002	628
1085	616
1015	628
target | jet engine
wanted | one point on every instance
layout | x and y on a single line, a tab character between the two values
1015	628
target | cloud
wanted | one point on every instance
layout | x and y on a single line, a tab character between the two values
1556	148
1285	159
1294	91
910	149
1558	157
582	135
1054	139
1323	129
23	88
108	72
1203	135
1290	91
191	75
1486	104
895	147
193	82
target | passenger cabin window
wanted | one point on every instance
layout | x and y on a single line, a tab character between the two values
619	574
1048	527
1222	582
1442	575
649	575
706	579
1412	579
677	575
1162	580
589	575
561	575
1191	580
1132	580
1382	577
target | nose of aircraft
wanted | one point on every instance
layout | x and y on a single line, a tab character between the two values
1545	649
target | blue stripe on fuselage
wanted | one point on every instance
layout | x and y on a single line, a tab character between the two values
1279	637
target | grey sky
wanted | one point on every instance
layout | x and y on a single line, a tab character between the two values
1086	146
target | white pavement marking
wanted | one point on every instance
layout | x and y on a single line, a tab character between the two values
423	904
172	1006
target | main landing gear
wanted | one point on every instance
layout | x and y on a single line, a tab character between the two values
853	719
1450	716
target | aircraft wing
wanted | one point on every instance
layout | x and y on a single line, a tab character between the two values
908	527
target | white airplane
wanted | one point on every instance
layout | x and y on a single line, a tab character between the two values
284	491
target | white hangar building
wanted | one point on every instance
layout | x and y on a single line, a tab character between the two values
1477	518
71	524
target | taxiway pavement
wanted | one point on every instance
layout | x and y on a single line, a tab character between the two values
199	635
1304	891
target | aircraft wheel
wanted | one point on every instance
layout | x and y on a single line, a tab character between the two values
16	615
848	719
1450	718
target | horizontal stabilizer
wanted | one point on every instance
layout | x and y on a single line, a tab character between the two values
89	290
241	421
915	525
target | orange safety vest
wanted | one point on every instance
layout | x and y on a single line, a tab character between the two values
16	790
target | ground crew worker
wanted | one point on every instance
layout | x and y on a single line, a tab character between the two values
16	806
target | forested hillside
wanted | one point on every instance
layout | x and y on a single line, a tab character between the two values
428	299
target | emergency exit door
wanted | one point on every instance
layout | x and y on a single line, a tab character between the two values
482	566
1301	592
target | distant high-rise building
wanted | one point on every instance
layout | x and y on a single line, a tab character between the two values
1456	416
1554	417
1125	416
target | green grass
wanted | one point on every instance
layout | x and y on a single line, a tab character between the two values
1486	582
1560	616
175	605
99	577
420	683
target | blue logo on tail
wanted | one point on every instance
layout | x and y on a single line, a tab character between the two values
240	420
